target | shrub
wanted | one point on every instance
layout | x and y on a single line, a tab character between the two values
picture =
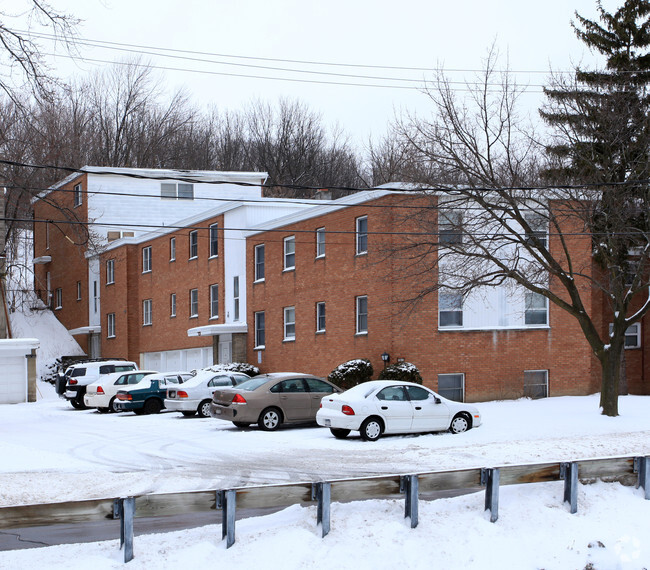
351	373
402	371
242	367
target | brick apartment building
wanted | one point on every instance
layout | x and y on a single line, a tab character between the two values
291	285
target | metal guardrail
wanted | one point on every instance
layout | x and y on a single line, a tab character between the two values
324	492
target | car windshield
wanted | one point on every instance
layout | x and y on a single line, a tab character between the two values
253	383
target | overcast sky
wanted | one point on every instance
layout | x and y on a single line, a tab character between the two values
410	33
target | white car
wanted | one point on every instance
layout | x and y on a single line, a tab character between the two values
195	394
101	394
388	406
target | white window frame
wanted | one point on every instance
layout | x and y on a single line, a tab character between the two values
147	312
172	305
289	323
633	332
58	298
110	325
538	226
290	253
532	310
462	386
214	240
320	242
110	272
260	330
320	317
450	309
194	244
78	195
361	235
450	227
235	297
176	191
194	303
172	249
545	383
146	259
214	301
259	248
361	315
78	290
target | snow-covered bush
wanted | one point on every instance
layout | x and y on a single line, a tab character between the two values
351	373
402	371
242	367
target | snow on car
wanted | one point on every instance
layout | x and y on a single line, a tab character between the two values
386	406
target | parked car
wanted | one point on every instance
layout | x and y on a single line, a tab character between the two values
271	400
196	393
78	376
101	394
148	395
386	406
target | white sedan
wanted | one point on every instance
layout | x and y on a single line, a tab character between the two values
101	394
195	394
388	406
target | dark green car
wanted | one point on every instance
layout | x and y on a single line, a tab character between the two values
148	395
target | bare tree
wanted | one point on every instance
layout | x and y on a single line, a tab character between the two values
495	226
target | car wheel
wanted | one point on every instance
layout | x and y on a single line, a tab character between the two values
188	414
241	424
111	406
152	406
103	410
78	405
371	429
270	419
459	424
139	412
204	409
340	433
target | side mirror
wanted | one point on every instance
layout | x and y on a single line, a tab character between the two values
437	400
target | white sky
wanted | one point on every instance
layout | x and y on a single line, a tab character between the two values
413	33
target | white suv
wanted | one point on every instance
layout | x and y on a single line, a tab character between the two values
78	376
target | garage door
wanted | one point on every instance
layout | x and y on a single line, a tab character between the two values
13	380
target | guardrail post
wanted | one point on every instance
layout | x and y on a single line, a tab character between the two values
569	472
227	501
409	485
125	509
642	467
322	492
490	478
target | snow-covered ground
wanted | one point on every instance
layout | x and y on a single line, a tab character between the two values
53	453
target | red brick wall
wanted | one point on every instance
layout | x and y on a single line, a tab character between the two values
67	247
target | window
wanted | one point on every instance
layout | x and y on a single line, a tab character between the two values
214	240
172	305
47	235
194	244
536	309
110	271
450	228
78	195
235	294
318	386
115	235
320	317
535	384
362	315
172	249
289	253
78	290
95	297
110	325
320	242
146	259
452	386
259	262
362	235
146	312
194	303
538	228
58	298
259	330
174	191
214	301
632	335
289	323
393	393
450	309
